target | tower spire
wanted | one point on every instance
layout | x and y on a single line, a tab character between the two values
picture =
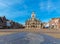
33	15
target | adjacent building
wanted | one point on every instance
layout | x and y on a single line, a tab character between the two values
45	25
54	23
14	25
3	22
8	24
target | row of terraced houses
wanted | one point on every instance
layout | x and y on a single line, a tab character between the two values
9	24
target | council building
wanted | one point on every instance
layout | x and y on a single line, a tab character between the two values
33	23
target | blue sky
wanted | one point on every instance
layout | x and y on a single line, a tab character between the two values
20	10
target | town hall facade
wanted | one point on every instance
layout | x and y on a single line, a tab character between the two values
33	23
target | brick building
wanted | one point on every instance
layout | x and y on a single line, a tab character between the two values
55	23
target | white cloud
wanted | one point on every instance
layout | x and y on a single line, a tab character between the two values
48	6
13	14
19	13
5	11
10	2
3	4
41	5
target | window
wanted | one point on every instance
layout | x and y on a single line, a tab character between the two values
8	23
